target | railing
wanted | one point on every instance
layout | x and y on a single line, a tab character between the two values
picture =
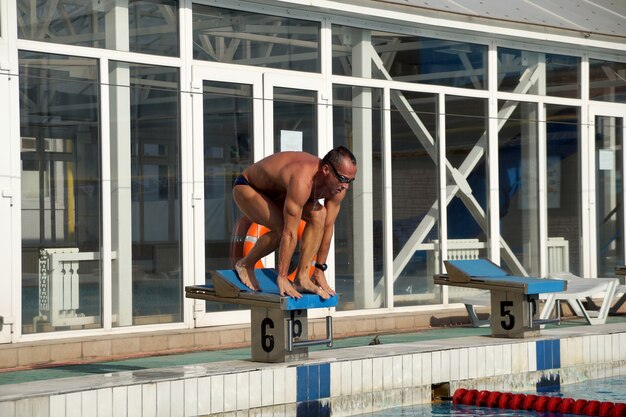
59	286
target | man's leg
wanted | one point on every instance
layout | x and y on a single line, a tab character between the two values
260	209
238	237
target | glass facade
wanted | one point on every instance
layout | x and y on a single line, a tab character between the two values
61	192
115	168
529	72
394	56
145	198
607	81
415	196
518	159
145	26
357	124
247	38
228	144
563	182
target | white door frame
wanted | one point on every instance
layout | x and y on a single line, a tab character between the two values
263	87
10	203
598	109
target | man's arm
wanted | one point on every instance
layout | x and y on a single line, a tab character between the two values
297	196
332	211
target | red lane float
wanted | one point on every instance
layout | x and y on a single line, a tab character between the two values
495	399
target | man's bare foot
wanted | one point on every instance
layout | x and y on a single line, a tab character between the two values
309	286
320	279
246	276
285	288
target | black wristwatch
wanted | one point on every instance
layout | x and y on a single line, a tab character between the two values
323	267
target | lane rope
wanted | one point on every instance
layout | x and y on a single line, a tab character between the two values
532	402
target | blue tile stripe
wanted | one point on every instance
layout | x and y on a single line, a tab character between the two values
548	354
313	382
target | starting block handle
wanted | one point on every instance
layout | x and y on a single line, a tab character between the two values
291	344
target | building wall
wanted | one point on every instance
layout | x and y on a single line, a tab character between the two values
133	122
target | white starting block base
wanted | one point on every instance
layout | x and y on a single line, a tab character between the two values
278	325
514	311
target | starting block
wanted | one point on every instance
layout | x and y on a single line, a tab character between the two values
279	325
514	311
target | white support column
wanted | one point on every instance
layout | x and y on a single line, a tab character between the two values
442	199
588	267
363	233
492	157
117	37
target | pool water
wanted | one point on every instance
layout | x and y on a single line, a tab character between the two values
609	389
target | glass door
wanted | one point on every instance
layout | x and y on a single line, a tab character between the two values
607	131
228	136
295	114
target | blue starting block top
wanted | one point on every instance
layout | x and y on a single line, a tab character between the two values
478	268
267	283
485	271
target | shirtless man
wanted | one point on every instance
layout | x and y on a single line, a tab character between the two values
279	191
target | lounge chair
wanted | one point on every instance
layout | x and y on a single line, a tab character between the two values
583	289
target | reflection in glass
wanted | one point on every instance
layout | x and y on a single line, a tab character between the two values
415	202
357	124
518	159
538	73
607	81
609	194
239	37
466	142
563	188
146	26
295	120
228	149
60	177
362	52
145	197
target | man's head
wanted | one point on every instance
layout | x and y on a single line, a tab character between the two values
340	165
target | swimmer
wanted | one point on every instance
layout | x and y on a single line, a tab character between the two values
278	192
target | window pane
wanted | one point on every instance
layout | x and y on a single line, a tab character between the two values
146	26
228	149
519	187
295	120
357	124
238	37
538	73
466	142
415	202
609	193
145	171
368	53
607	81
563	189
61	216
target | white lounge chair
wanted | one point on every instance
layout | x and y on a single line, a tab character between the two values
579	290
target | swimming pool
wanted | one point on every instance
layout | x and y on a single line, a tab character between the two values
608	389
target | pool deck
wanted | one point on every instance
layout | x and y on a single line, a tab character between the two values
351	378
